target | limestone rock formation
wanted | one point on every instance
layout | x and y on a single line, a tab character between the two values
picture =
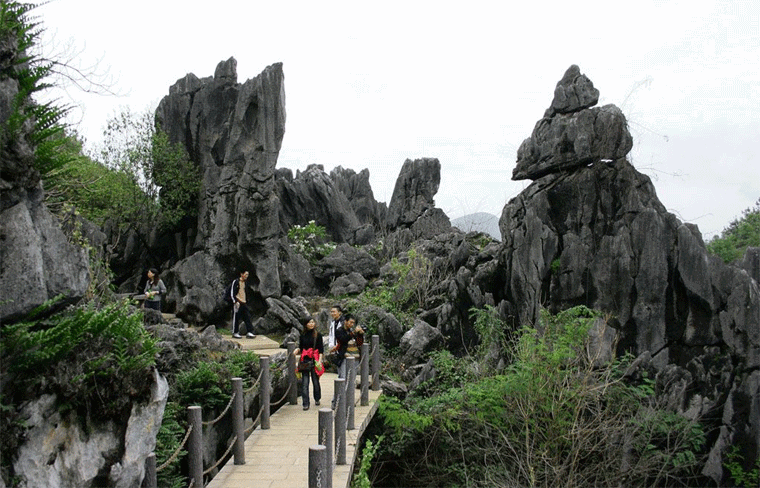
413	193
370	213
59	451
570	134
234	133
420	339
313	195
345	260
590	230
38	262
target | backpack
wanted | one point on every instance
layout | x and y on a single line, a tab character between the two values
228	293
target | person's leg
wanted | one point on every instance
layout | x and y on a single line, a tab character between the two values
246	314
235	321
305	389
317	387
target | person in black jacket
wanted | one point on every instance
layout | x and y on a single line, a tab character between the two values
239	297
343	335
310	345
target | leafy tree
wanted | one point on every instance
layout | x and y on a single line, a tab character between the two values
96	191
167	180
738	236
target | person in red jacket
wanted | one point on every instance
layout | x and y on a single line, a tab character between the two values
311	345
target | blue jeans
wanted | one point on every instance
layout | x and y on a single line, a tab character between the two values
305	387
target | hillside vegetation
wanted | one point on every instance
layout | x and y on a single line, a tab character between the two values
740	234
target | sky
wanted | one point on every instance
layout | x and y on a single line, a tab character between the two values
369	85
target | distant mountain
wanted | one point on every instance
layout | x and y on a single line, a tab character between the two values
479	222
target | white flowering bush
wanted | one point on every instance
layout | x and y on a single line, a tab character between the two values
309	241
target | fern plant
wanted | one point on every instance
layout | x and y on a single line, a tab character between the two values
40	123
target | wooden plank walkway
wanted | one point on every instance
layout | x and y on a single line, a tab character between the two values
279	456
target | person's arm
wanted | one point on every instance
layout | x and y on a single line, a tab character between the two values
320	344
161	287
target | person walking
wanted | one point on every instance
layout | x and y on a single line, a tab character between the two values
154	288
311	345
239	297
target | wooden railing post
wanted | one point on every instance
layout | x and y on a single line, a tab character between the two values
375	362
195	445
238	421
317	466
265	389
365	374
325	436
151	476
350	391
340	422
293	390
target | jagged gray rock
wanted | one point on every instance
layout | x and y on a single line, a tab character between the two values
594	232
59	452
573	93
195	286
344	260
418	341
350	284
356	188
389	329
38	261
751	262
413	193
234	133
283	314
570	135
295	273
313	195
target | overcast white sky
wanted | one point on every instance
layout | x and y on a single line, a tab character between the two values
370	85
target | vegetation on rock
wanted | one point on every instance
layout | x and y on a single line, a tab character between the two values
550	418
740	234
95	361
310	241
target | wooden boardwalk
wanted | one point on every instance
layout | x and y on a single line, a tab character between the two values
279	456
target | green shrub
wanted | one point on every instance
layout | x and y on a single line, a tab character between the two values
20	33
209	383
553	418
740	234
168	440
85	355
361	479
735	463
308	240
97	362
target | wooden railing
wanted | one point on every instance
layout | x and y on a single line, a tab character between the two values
342	419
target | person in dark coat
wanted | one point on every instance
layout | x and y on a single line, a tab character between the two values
311	345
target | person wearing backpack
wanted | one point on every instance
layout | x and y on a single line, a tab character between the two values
236	294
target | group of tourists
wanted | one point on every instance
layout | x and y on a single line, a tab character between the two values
310	353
